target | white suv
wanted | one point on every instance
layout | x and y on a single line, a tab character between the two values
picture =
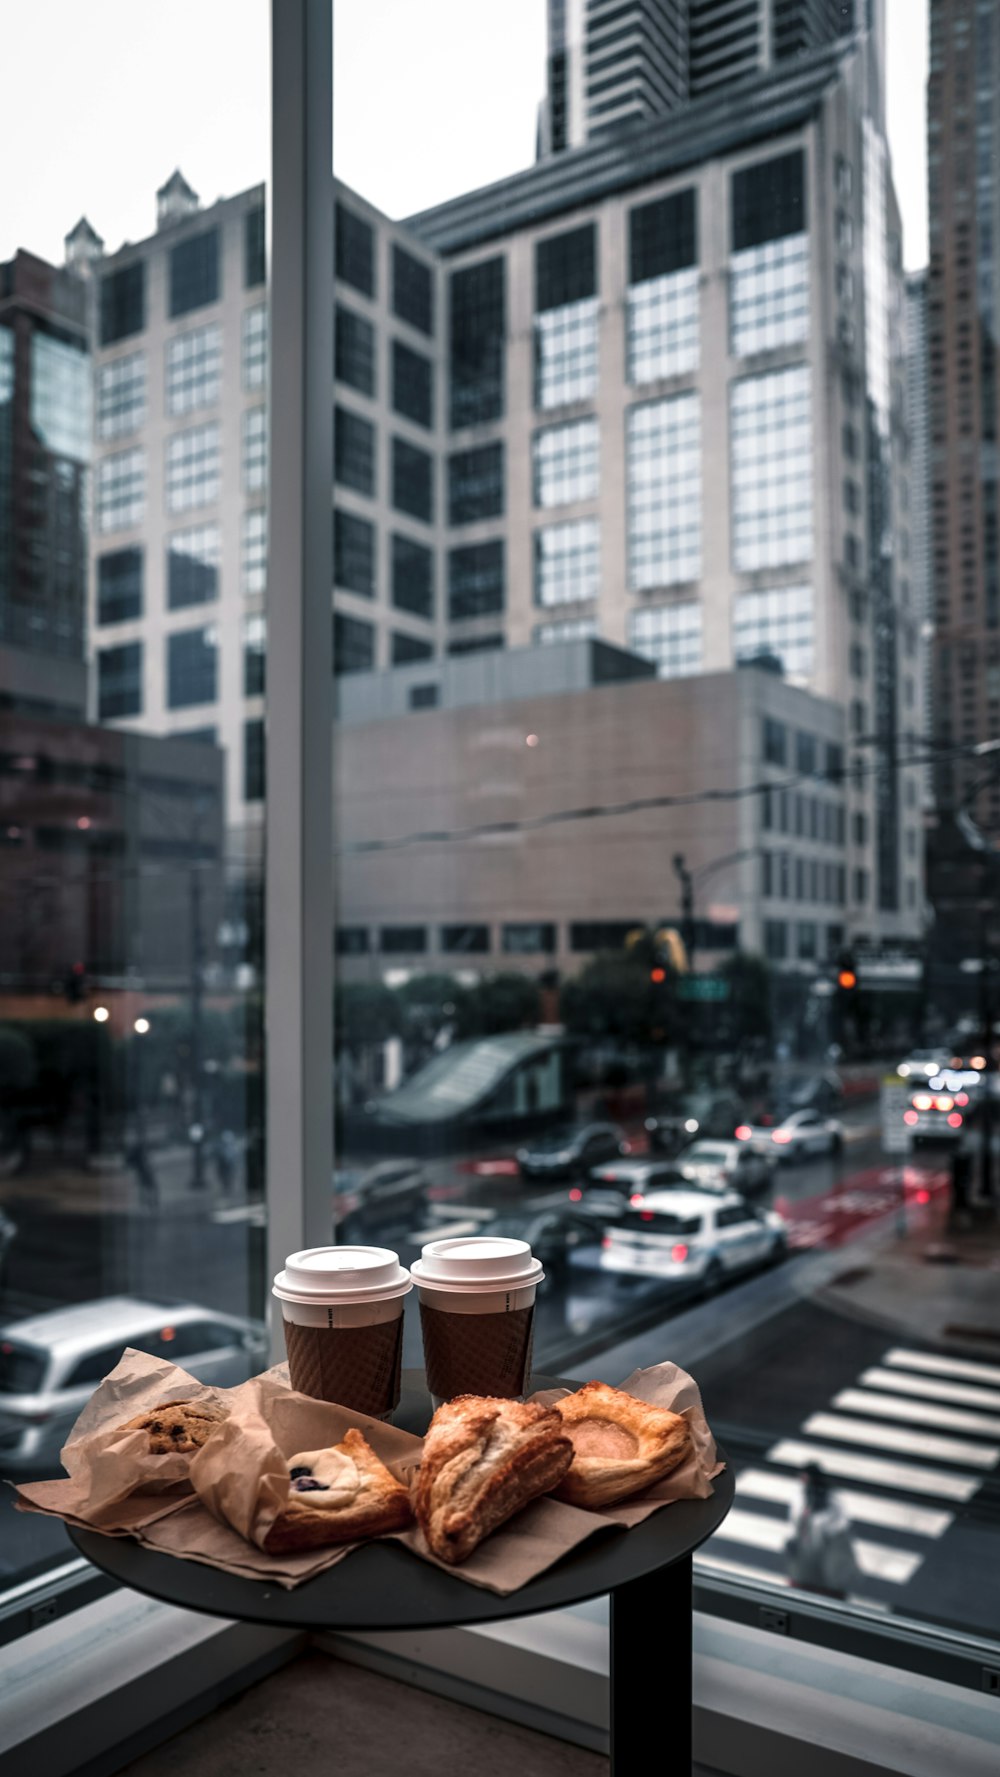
693	1238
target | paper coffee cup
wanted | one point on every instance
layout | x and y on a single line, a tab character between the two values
477	1306
342	1308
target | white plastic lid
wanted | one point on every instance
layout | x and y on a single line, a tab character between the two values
339	1274
479	1262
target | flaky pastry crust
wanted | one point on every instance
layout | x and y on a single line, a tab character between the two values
359	1497
177	1426
620	1444
483	1460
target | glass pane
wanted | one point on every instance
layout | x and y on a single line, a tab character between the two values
132	561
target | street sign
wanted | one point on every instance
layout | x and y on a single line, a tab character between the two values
703	987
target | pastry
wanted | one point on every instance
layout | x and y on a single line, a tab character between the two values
482	1461
177	1425
620	1444
337	1496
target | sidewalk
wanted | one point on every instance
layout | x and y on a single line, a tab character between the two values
931	1285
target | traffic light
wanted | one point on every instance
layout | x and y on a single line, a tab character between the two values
847	979
658	976
847	975
76	984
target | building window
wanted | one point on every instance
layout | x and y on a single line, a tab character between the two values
412	290
570	629
402	940
353	553
777	623
253	553
663	236
465	940
475	484
769	295
663	468
769	200
254	654
528	938
475	644
353	644
407	648
807	941
412	384
194	272
775	743
601	934
477	343
353	451
412	576
476	579
121	491
775	940
663	326
565	463
353	350
193	468
119	682
121	396
194	369
412	480
566	354
354	250
192	667
567	562
123	302
254	247
254	760
423	697
860	883
353	941
193	567
671	635
254	355
119	586
771	446
254	449
860	826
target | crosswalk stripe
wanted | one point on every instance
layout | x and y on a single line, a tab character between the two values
860	1508
890	1406
905	1477
897	1566
908	1443
963	1394
943	1366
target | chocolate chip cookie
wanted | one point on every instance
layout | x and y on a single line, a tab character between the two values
177	1425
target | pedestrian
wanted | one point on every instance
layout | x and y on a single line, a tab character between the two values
820	1552
138	1158
225	1160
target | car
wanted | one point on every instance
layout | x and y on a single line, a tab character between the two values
795	1137
554	1234
633	1178
923	1064
389	1194
728	1165
50	1363
693	1239
568	1152
703	1114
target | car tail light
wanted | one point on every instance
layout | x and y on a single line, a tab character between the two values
607	1241
637	1200
781	1136
910	1117
678	1254
955	1120
944	1103
923	1196
961	1098
647	1215
744	1132
168	1333
576	1194
923	1101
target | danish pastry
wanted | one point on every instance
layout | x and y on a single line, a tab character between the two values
620	1444
177	1426
483	1460
337	1496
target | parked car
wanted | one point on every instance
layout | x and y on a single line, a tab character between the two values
923	1064
714	1115
554	1234
795	1137
633	1178
390	1194
694	1239
51	1363
728	1166
567	1152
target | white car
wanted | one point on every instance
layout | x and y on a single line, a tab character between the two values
923	1064
51	1363
796	1137
635	1177
727	1166
693	1238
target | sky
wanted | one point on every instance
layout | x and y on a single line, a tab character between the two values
431	98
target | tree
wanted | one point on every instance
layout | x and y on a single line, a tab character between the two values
429	1004
616	995
365	1012
497	1003
747	1012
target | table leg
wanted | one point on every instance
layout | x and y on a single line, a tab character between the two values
651	1674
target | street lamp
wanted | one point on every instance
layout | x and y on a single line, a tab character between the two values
141	1027
101	1014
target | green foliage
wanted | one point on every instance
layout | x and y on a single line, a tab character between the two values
498	1003
365	1012
747	1013
614	996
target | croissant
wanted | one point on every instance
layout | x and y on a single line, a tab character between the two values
483	1460
620	1444
338	1495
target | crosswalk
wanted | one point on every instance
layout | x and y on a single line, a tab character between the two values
912	1440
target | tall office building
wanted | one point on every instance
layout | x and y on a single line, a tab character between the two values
963	323
611	64
918	431
45	415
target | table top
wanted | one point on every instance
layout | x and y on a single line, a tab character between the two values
384	1586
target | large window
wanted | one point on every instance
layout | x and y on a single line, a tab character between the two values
776	623
119	585
353	553
412	290
771	452
192	667
476	579
119	681
662	314
254	654
193	566
412	480
254	247
254	442
253	553
412	384
475	484
412	576
194	369
671	635
477	328
353	350
254	347
194	273
353	644
353	451
121	396
353	249
566	354
567	629
120	499
193	468
567	562
565	463
123	302
769	295
663	469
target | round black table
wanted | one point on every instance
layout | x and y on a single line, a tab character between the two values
382	1586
